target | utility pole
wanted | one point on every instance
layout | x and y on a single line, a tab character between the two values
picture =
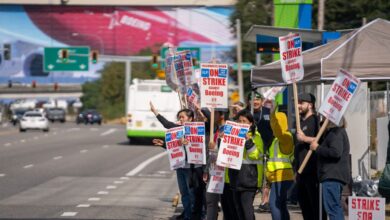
321	14
239	61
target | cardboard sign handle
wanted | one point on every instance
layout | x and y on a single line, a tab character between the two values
212	127
297	120
308	155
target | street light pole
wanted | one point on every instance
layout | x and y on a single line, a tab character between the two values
239	61
101	51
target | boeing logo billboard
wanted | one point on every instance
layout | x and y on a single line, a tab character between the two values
111	30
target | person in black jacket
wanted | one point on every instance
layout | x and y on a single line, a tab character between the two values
189	178
307	186
333	167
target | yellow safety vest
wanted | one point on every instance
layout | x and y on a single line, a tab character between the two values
277	160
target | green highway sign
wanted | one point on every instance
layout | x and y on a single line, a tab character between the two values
77	60
244	66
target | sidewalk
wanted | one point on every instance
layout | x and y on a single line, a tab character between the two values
295	213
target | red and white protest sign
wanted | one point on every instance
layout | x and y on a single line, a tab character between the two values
183	67
339	96
196	148
231	150
216	180
291	58
214	85
174	144
169	73
366	208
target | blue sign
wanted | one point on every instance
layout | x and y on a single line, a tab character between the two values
297	42
179	134
188	130
227	129
243	132
352	87
205	72
168	137
201	130
222	73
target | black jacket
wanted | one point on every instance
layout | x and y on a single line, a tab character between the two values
333	156
244	179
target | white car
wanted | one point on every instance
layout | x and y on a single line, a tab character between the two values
34	120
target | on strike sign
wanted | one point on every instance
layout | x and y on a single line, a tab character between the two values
231	149
339	96
176	153
291	58
214	85
216	181
366	208
196	148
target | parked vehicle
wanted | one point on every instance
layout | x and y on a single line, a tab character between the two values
55	114
33	120
17	114
89	116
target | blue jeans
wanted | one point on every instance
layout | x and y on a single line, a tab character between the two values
278	200
182	175
331	195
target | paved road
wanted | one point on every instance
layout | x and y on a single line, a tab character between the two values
82	172
85	172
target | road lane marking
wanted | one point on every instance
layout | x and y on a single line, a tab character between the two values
124	178
46	135
54	133
2	174
112	130
22	140
94	199
110	187
28	166
145	163
36	138
83	151
7	144
102	193
73	129
118	182
69	214
57	158
83	206
105	146
94	129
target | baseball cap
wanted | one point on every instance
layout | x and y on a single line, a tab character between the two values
257	95
307	97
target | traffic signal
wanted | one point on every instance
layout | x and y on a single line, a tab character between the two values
7	51
64	55
94	56
155	61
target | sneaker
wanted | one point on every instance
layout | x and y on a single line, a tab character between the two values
264	208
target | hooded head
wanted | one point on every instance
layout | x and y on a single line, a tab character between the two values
279	123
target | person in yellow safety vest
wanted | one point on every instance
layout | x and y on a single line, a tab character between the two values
279	173
246	181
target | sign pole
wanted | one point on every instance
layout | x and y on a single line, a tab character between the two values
297	120
309	153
